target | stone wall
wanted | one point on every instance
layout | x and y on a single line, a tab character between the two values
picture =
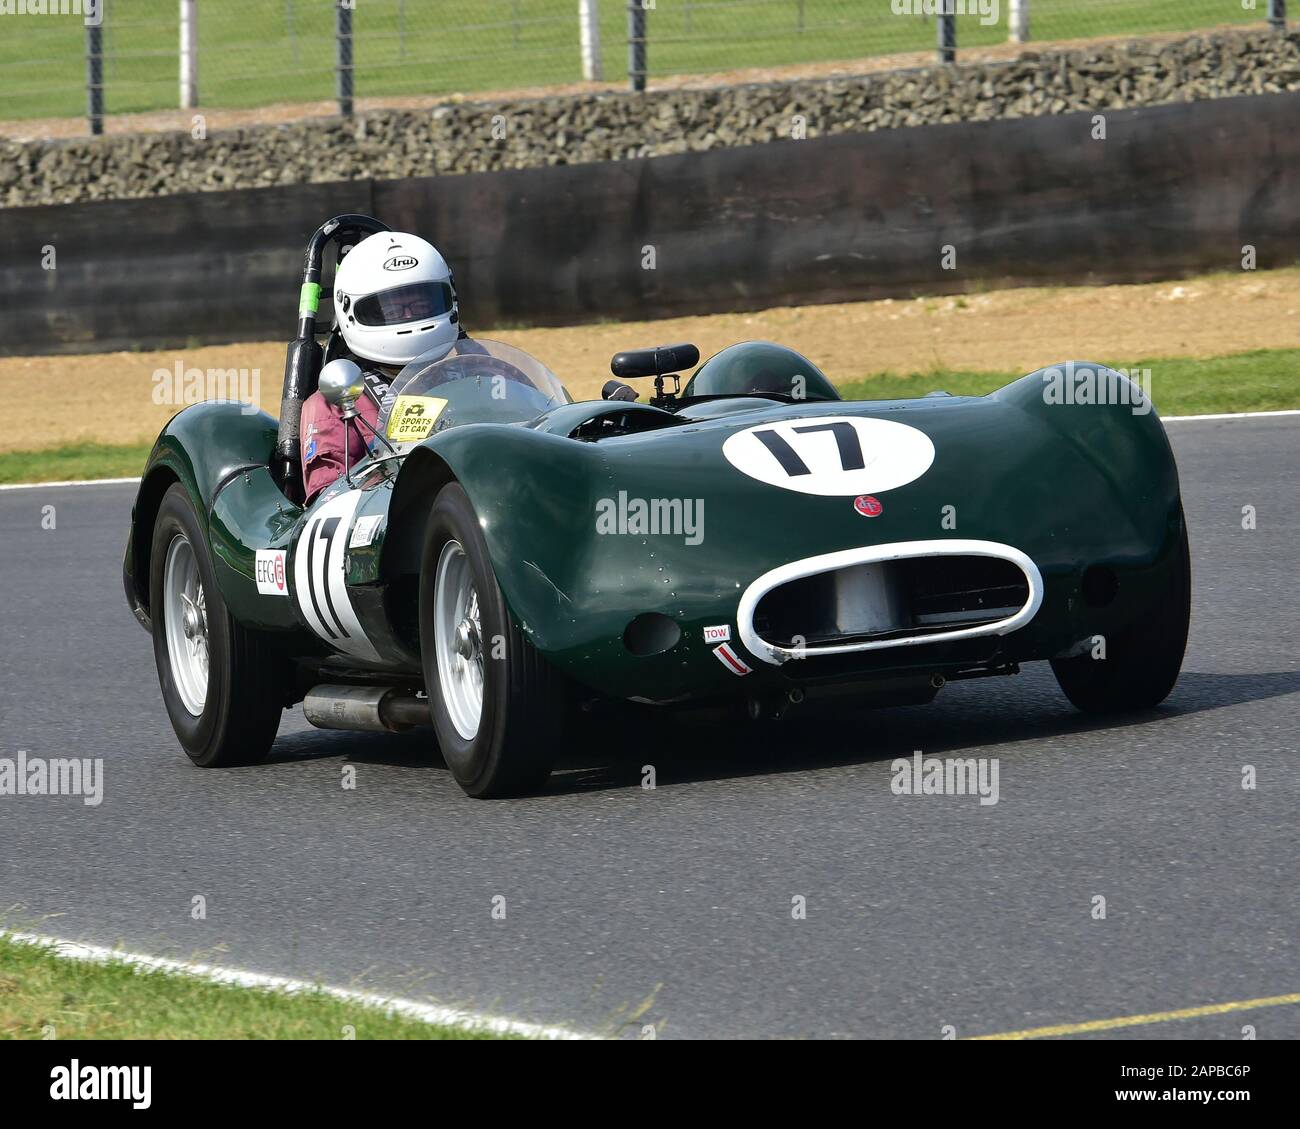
835	219
484	136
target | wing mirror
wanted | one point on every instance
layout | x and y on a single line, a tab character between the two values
341	384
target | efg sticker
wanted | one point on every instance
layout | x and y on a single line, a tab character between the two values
868	506
269	572
413	417
831	455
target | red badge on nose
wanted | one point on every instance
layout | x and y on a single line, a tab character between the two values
867	506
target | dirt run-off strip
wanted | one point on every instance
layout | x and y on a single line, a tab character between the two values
110	398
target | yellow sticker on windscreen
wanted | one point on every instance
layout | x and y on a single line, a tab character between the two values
413	417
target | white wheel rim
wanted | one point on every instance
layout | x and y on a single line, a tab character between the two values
185	624
458	640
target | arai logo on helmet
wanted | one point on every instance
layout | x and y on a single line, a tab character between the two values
402	262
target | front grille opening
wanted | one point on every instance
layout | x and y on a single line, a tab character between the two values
885	600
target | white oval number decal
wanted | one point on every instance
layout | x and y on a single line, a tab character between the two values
831	455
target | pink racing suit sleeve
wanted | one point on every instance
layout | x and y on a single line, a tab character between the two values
321	441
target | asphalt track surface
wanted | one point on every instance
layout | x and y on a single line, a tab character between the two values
674	906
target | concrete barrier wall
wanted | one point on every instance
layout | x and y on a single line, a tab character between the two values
1170	191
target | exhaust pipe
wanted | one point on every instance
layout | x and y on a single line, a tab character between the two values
366	709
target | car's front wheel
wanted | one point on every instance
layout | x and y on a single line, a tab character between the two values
220	683
498	707
1139	665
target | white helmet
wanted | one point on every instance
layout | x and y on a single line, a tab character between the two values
394	299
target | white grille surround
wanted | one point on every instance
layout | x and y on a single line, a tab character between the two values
775	654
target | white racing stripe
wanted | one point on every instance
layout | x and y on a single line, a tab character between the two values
242	978
122	481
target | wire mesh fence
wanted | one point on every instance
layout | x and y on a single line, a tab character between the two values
252	53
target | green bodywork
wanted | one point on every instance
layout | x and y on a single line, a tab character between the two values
1070	486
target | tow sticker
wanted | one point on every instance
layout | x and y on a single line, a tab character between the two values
719	634
732	661
413	417
831	455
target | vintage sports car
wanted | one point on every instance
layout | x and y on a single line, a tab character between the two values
504	552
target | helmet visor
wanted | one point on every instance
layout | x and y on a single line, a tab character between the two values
412	302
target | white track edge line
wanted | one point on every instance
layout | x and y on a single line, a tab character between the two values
69	482
1232	415
243	978
124	481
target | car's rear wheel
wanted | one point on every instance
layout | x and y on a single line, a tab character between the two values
498	707
1141	663
220	683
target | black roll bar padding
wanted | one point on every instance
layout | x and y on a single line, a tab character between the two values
303	361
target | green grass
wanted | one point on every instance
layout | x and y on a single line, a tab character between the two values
61	464
44	995
253	52
1263	380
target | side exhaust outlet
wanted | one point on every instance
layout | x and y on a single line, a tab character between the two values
366	709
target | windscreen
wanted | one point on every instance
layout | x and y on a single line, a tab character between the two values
477	382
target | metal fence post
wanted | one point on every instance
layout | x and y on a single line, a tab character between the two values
1277	14
589	36
946	27
189	20
95	78
1018	21
636	47
343	35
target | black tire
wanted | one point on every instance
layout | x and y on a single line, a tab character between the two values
242	707
524	698
1142	663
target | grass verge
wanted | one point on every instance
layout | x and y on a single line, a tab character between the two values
1261	380
62	464
43	995
254	54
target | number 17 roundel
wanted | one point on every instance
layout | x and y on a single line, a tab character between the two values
831	455
318	574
